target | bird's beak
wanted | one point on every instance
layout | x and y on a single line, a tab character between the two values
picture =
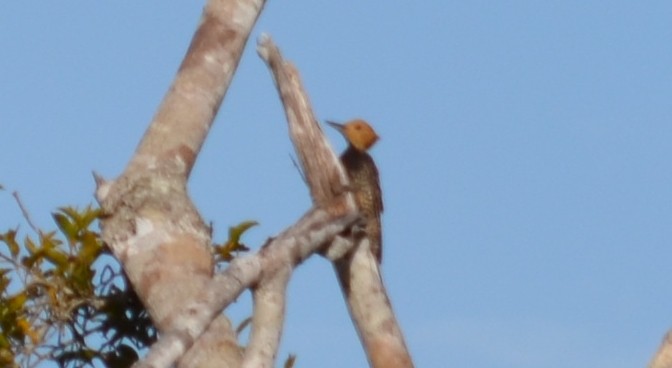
336	126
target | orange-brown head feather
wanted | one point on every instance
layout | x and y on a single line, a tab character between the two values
358	133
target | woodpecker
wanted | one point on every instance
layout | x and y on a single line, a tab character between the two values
363	175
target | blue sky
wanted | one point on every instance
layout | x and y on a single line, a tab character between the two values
524	154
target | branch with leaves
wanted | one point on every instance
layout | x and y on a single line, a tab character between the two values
153	229
64	299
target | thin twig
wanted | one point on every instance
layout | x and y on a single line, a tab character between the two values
298	168
26	214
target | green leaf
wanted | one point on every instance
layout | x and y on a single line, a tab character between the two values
7	358
56	257
4	279
67	227
4	345
87	217
49	240
235	232
9	238
15	303
233	244
30	245
71	212
90	249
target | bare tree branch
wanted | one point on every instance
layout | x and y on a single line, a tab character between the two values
336	211
324	174
267	322
370	308
183	120
24	211
151	224
317	228
663	357
157	234
358	272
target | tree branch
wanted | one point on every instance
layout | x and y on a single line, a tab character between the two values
370	308
267	321
358	272
25	213
325	176
157	234
150	223
663	357
276	258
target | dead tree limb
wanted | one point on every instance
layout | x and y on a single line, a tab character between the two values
160	239
315	229
334	214
151	224
663	357
318	228
358	271
325	176
370	308
267	321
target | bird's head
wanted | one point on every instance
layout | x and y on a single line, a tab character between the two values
357	132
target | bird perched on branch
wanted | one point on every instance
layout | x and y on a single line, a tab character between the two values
363	175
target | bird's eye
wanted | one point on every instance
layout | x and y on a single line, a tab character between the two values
358	127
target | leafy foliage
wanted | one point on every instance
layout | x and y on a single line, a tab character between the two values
54	305
226	252
65	299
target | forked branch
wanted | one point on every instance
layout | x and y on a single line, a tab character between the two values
275	259
267	272
358	271
151	224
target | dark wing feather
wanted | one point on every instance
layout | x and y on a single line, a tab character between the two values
365	181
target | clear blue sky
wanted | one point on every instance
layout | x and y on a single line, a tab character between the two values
525	158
